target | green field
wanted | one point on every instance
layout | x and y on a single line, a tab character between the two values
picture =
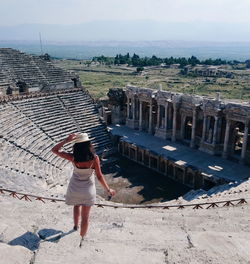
98	79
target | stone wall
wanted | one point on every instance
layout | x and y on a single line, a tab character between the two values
176	170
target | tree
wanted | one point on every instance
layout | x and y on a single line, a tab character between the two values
183	62
193	61
135	60
116	61
139	69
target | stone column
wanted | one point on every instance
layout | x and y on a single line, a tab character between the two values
158	115
128	108
150	118
216	118
226	139
192	143
166	116
136	154
142	155
244	145
137	109
140	115
133	108
123	146
174	123
183	119
204	128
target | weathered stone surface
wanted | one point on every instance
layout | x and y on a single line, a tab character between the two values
142	236
117	96
14	254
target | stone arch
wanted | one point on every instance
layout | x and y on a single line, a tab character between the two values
129	108
154	115
222	129
9	90
170	170
75	81
236	137
189	179
199	123
178	121
22	87
210	129
145	116
188	127
170	116
162	166
161	116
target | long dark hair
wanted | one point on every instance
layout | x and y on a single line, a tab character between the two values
83	151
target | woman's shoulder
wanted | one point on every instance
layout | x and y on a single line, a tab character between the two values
96	159
96	156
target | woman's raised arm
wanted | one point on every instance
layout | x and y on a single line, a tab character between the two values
62	154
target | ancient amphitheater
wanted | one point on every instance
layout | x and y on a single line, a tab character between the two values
200	142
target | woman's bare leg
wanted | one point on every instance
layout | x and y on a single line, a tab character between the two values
76	213
85	220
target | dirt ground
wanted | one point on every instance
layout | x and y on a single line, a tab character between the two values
137	184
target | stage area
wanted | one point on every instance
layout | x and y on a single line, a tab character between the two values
211	165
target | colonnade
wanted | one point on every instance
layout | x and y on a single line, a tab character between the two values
208	129
144	116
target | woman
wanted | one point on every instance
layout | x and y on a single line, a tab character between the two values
81	190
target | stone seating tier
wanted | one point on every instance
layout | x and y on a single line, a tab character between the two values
74	108
24	162
32	126
17	66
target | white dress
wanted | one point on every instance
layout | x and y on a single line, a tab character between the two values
81	189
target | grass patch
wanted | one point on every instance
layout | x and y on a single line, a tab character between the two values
99	79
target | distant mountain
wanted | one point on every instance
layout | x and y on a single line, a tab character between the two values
137	30
88	49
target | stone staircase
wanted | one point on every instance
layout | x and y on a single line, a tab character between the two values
228	191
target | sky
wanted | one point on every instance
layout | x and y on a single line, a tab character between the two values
68	12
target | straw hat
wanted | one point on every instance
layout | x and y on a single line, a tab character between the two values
81	137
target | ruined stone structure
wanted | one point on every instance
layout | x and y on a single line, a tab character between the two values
189	138
210	125
207	71
23	73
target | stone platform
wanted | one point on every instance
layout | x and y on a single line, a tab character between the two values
212	166
122	236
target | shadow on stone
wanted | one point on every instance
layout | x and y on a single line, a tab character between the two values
52	235
29	240
32	241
